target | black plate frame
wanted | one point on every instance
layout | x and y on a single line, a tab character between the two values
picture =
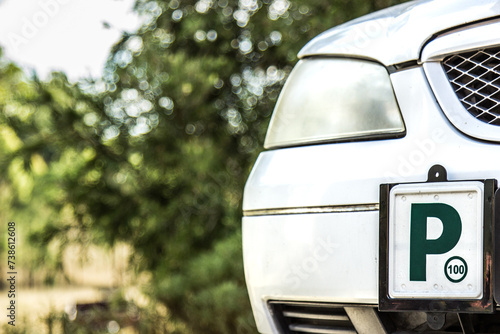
438	173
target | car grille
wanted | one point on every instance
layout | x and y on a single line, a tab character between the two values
475	77
300	318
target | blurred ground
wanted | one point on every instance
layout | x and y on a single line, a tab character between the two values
94	274
34	305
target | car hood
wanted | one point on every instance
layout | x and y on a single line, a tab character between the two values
397	34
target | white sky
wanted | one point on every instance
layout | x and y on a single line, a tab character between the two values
66	35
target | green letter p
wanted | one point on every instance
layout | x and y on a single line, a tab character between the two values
420	246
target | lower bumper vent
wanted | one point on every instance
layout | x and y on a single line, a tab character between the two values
300	318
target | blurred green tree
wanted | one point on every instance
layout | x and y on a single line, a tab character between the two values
201	78
157	151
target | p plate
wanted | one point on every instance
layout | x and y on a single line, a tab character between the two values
436	240
436	246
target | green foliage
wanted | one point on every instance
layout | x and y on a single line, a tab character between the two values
208	288
156	152
211	71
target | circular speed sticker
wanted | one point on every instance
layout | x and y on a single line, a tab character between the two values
455	269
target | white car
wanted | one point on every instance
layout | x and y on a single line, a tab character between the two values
372	208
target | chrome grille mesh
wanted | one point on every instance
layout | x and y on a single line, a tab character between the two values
475	77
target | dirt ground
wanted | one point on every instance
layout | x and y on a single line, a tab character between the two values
34	305
91	281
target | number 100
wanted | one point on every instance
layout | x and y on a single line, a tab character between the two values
456	269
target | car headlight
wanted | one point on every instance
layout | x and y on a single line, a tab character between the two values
334	99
